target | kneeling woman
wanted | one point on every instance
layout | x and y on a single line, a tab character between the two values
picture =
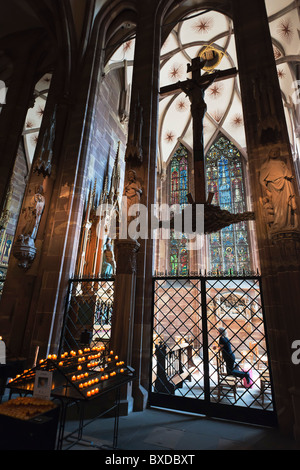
229	358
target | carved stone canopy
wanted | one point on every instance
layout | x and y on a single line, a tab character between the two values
24	252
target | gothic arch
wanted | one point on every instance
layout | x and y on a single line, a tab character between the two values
174	13
112	25
183	45
231	248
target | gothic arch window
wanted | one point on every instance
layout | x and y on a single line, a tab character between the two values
179	263
193	36
229	249
34	117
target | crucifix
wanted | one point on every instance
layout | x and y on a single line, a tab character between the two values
195	88
215	218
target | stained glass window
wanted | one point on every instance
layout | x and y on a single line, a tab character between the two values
178	196
228	249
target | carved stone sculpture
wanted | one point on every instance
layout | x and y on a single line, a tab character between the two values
131	194
108	263
24	248
32	214
6	213
278	199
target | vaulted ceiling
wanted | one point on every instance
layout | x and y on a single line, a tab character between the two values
224	108
186	40
52	25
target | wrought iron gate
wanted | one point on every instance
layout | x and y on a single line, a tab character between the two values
188	371
88	313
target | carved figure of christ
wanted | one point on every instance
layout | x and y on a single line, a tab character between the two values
195	88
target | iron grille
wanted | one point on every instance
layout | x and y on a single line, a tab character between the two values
236	306
187	361
177	336
88	313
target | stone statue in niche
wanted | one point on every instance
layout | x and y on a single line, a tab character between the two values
278	200
6	213
32	214
24	248
108	263
132	192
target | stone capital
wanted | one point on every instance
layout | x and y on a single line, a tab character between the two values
126	253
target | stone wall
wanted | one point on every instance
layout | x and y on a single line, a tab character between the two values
106	131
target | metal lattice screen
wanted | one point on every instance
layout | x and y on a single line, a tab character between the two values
187	361
177	337
88	313
236	306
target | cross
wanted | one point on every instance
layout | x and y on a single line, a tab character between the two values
195	90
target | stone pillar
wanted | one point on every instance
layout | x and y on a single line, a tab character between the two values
276	212
140	156
16	297
123	314
20	86
33	301
25	282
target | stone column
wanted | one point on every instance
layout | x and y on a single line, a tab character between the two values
21	325
123	314
19	96
16	297
277	212
145	92
33	302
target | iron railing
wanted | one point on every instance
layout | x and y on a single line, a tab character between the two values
187	361
88	313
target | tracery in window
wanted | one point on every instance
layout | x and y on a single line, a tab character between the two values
178	196
228	250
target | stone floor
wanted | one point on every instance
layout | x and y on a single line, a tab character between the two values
168	431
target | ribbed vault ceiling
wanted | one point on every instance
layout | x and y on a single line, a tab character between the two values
224	107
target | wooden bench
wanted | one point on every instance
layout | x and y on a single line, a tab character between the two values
178	379
227	384
265	385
